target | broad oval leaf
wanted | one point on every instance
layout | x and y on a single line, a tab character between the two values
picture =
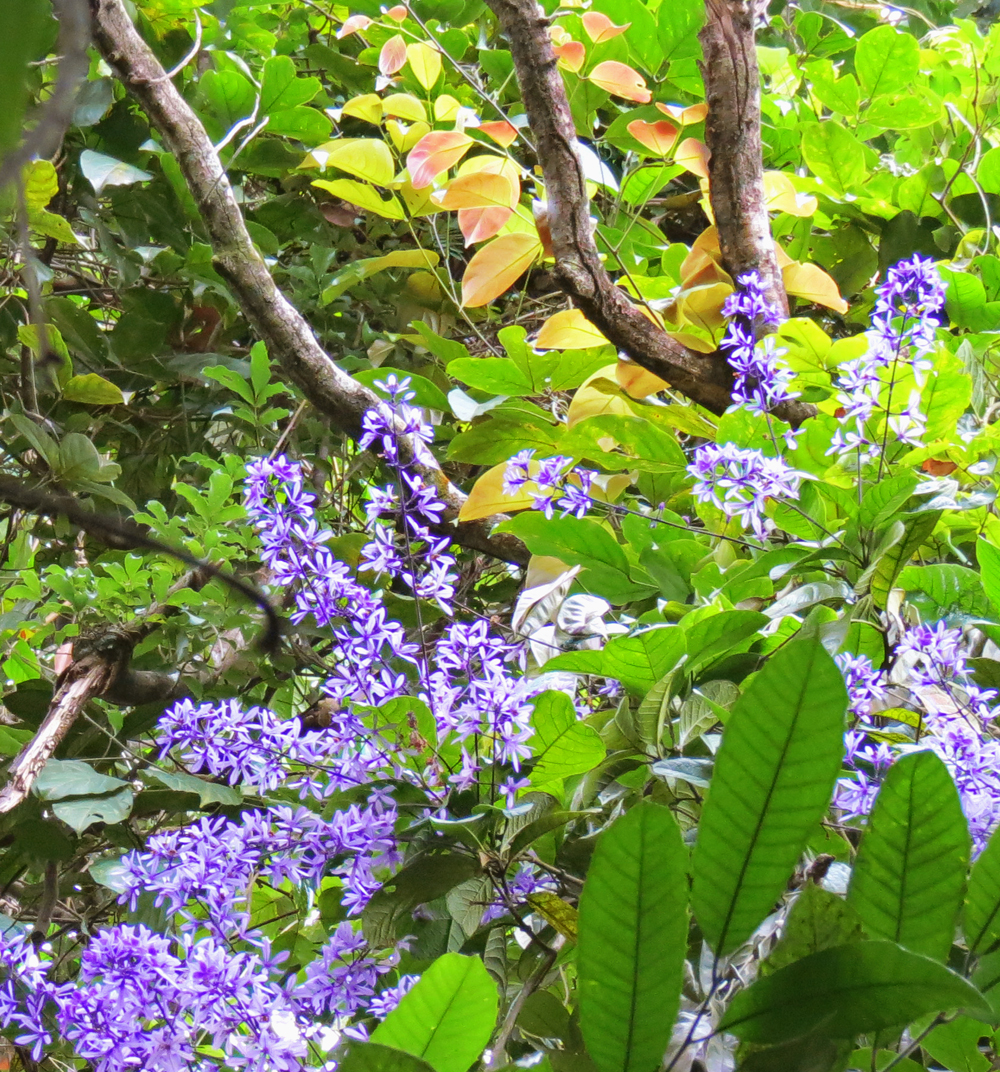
621	80
658	138
502	132
497	266
447	1018
362	196
779	759
425	63
600	28
435	153
693	155
909	878
93	390
372	1057
477	190
846	991
632	940
811	283
392	57
568	330
367	158
487	496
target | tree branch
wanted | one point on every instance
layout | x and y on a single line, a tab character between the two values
704	378
732	134
289	338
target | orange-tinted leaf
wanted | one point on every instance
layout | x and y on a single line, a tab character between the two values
497	266
397	13
540	212
487	496
353	25
478	224
367	107
495	165
571	55
478	190
934	466
559	35
621	81
781	196
658	137
686	116
638	382
597	395
600	28
434	153
425	63
693	155
393	56
500	131
810	282
403	106
568	330
702	306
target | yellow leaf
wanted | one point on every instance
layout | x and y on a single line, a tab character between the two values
434	153
494	165
487	496
600	28
418	202
478	190
693	113
813	284
40	184
621	80
357	193
403	137
636	381
368	158
597	395
554	910
425	63
367	107
446	108
408	258
694	342
781	196
392	58
497	266
693	155
404	106
658	137
568	330
702	306
571	55
500	131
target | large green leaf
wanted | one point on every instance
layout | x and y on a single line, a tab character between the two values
846	991
562	744
886	61
909	877
902	539
775	770
981	922
632	940
834	155
371	1057
447	1018
988	557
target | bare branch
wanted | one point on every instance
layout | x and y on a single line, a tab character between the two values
732	133
289	338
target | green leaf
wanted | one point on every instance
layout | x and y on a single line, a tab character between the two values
881	501
93	390
818	920
711	638
61	778
943	588
371	1057
447	1018
779	759
909	878
901	542
886	61
25	24
281	88
100	171
81	812
208	792
981	923
579	541
563	745
955	1045
632	940
834	155
637	661
988	558
363	196
229	94
847	991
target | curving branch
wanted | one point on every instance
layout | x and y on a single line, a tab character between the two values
289	338
732	134
704	378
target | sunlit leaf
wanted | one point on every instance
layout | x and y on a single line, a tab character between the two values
781	196
357	193
434	153
405	106
367	107
600	28
101	171
693	155
446	108
620	80
597	395
497	266
571	55
368	158
353	25
636	381
425	63
397	13
658	137
810	282
693	113
392	57
93	390
479	224
478	190
403	137
568	330
500	131
487	496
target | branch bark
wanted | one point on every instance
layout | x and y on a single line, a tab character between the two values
289	338
732	134
704	378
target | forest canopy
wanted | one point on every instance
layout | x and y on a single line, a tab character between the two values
500	565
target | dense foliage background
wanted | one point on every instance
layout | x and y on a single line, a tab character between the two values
692	762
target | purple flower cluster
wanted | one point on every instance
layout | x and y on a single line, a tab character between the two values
555	483
762	379
739	482
957	722
904	323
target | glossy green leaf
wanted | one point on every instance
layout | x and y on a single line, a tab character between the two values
632	940
373	1057
780	756
637	661
981	921
563	745
989	570
955	1045
846	991
447	1018
908	881
902	540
